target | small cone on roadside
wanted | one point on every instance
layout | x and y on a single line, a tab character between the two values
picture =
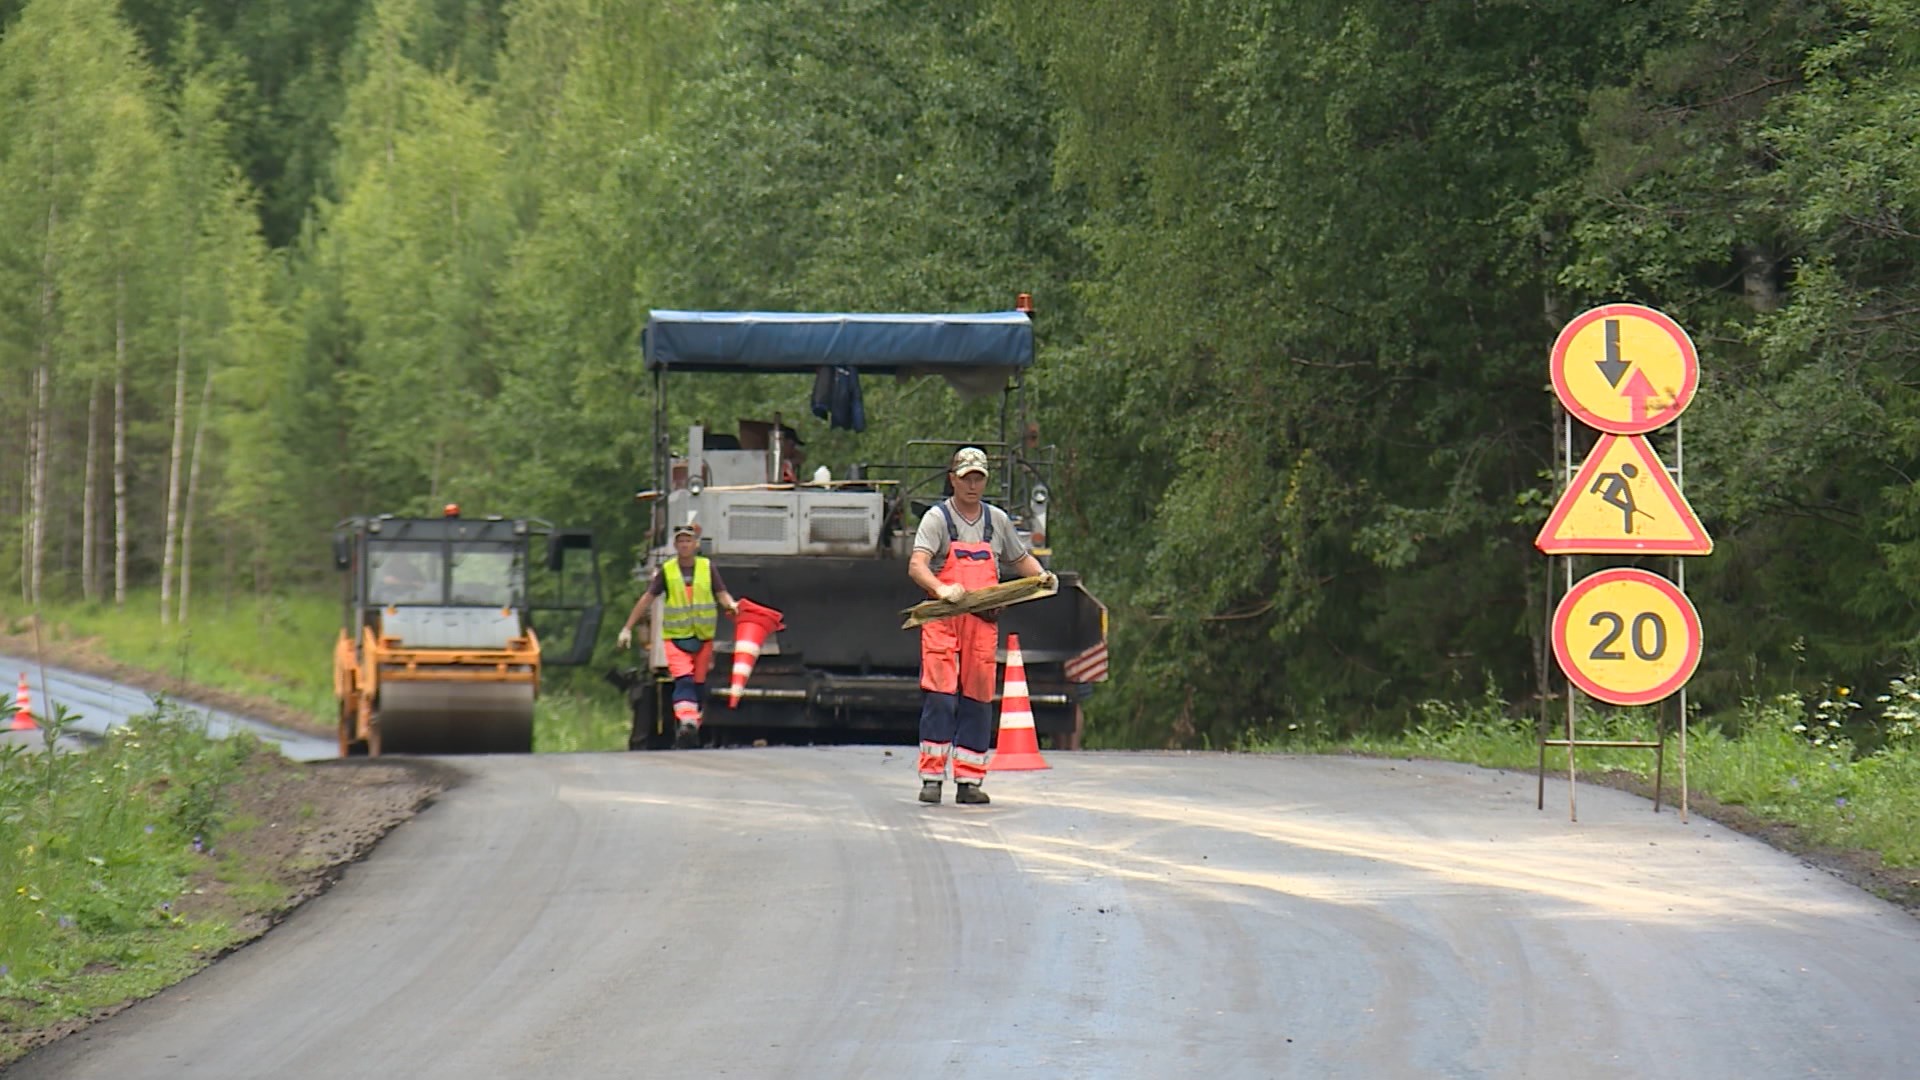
751	625
1018	746
23	708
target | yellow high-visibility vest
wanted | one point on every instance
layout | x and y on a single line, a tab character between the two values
689	607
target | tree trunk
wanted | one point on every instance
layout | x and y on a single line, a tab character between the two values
193	488
89	551
40	428
120	478
26	502
176	458
43	426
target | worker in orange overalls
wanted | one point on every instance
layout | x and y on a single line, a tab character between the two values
961	545
693	589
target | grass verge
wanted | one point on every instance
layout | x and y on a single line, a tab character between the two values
1780	770
270	658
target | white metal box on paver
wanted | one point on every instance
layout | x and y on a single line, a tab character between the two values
839	522
792	522
754	522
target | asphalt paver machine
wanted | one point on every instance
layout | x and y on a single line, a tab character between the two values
828	549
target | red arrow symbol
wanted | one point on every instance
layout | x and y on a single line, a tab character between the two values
1638	390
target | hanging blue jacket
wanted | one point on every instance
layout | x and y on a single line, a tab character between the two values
836	398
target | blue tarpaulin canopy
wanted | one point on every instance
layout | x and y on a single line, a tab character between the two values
990	343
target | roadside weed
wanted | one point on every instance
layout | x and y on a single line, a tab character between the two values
96	851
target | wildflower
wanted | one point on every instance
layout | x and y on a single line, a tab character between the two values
149	830
1800	729
1842	691
198	846
4	970
1793	782
1839	800
66	923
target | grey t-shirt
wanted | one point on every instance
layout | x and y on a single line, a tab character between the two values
932	535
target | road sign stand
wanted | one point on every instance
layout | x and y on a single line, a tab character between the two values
1569	739
1680	579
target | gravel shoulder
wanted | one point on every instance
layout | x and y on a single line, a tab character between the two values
1862	869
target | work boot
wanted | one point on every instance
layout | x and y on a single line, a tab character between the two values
969	794
688	737
930	791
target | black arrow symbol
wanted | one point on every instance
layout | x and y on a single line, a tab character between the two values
1612	367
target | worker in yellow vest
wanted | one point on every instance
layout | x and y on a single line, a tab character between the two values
694	595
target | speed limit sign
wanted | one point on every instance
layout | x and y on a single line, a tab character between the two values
1627	636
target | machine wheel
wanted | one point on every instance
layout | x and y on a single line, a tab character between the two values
433	717
349	746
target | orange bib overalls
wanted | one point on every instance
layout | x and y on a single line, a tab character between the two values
957	666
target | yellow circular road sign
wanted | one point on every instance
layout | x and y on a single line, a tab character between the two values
1625	369
1626	636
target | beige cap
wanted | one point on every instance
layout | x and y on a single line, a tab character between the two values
970	459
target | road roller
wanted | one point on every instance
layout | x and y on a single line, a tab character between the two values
446	624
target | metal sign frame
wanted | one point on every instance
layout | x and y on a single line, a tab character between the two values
1567	410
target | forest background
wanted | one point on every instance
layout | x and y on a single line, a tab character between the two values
1298	267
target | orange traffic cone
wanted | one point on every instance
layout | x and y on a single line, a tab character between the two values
1017	747
751	625
23	708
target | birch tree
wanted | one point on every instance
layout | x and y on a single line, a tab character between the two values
419	237
71	87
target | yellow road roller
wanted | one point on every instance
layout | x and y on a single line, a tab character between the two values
446	624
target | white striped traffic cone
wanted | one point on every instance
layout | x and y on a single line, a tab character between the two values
751	625
23	708
1018	746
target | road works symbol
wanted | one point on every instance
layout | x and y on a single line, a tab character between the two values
1625	369
1626	636
1622	502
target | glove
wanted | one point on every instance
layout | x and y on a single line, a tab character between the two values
625	639
951	592
1048	581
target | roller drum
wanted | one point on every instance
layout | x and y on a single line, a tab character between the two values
454	718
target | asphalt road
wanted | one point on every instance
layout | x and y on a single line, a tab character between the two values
795	913
98	704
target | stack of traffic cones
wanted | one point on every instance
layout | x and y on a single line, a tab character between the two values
23	708
751	625
1018	747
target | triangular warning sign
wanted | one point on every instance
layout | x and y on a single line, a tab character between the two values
1622	502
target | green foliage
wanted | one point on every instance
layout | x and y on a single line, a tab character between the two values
1297	267
577	714
96	850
